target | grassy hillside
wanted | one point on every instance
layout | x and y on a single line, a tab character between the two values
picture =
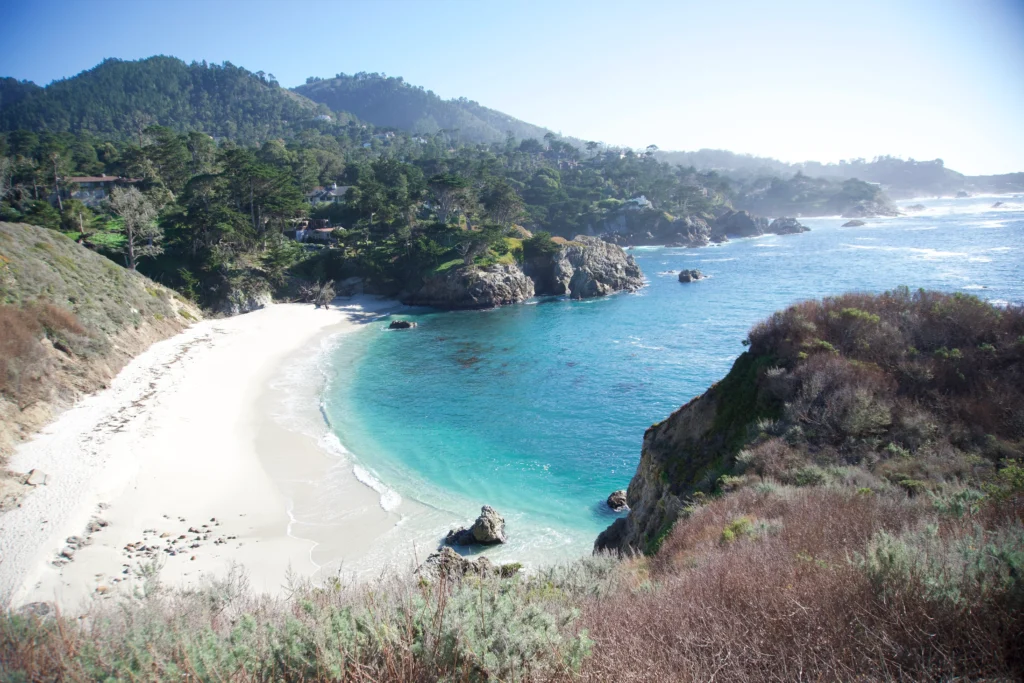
861	519
69	320
393	103
117	99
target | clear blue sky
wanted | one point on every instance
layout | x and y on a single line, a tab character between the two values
793	80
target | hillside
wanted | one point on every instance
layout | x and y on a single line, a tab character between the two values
393	103
69	320
117	99
899	178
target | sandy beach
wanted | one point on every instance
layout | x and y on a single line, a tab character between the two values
180	466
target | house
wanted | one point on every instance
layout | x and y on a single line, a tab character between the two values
333	194
641	202
322	117
91	190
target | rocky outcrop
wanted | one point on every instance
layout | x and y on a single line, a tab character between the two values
739	224
690	275
677	455
401	325
852	224
871	208
448	563
488	529
585	268
787	226
469	287
244	298
617	500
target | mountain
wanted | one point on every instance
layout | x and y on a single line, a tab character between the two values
393	103
118	98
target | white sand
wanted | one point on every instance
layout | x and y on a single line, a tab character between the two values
181	437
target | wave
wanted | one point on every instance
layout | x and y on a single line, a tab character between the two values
922	252
389	498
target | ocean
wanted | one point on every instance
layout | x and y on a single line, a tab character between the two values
539	409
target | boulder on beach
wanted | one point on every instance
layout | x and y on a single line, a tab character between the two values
617	500
852	224
690	275
35	478
488	529
401	325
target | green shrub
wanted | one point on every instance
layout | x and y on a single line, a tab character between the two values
959	569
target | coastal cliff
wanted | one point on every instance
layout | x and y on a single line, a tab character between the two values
469	287
71	319
584	268
877	392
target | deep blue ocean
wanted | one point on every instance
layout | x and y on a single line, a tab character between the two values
539	409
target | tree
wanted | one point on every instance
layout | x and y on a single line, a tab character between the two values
137	215
503	203
450	192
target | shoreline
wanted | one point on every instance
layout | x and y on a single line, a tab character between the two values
181	467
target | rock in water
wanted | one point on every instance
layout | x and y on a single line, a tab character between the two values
869	208
787	226
589	267
917	207
690	275
468	287
739	224
997	205
401	325
852	224
617	500
488	529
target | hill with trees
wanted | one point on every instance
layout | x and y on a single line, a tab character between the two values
390	102
118	99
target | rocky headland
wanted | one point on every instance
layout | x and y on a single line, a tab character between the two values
584	268
696	231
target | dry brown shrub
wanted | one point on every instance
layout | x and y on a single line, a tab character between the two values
790	605
22	358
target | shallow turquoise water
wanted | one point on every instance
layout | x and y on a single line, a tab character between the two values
540	409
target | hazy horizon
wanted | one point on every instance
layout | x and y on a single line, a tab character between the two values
796	81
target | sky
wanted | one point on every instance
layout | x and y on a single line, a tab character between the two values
793	80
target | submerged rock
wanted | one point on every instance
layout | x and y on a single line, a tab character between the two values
617	500
787	226
852	224
401	325
869	208
488	529
468	287
691	275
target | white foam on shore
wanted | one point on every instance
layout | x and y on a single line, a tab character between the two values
389	499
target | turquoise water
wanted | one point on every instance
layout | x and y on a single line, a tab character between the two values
540	409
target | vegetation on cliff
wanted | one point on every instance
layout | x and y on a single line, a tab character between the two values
855	513
69	320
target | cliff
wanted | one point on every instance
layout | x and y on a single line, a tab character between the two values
911	391
69	321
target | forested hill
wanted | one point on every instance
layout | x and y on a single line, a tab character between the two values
117	99
393	103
